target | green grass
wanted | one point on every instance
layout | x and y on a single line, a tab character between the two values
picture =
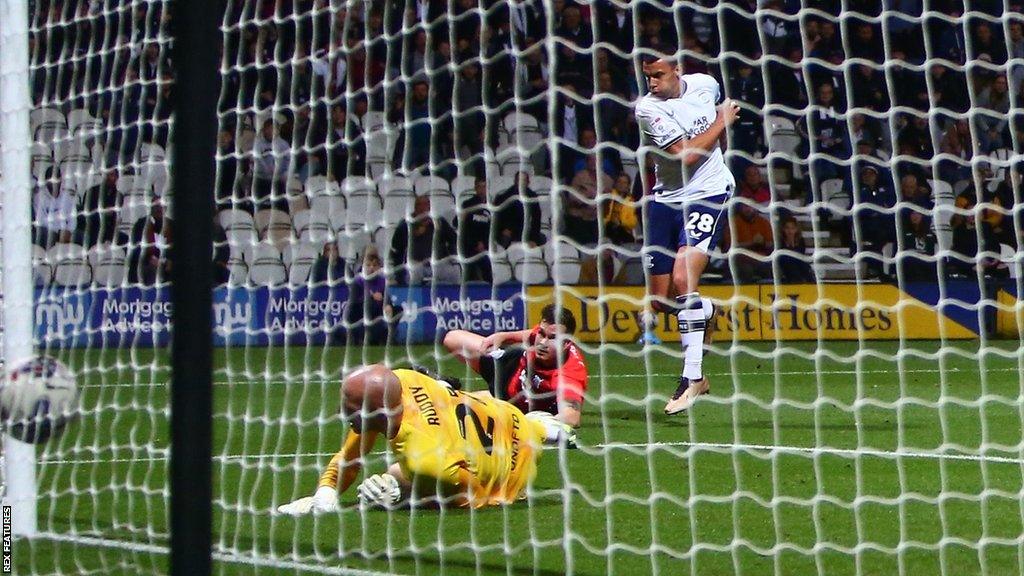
646	494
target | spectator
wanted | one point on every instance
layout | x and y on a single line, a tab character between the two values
97	212
221	254
913	192
754	187
793	268
916	244
272	166
149	262
591	179
346	146
787	84
752	233
873	223
620	213
949	89
469	119
991	126
329	267
956	141
826	135
1001	215
475	233
1015	47
54	208
227	173
517	215
368	308
747	87
414	146
423	249
610	162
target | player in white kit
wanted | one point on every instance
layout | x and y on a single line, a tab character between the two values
685	220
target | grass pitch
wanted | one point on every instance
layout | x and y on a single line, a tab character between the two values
838	459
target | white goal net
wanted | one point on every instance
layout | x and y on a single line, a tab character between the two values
391	171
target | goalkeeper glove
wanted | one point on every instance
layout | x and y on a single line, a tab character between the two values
324	501
557	432
380	490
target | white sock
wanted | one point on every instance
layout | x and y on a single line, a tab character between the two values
692	320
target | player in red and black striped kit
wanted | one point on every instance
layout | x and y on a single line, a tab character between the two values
528	367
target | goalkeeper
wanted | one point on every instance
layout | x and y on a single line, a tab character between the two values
469	450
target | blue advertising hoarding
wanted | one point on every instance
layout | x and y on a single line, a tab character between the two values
140	317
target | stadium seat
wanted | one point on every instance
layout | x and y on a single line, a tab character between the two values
81	175
312	226
299	260
362	211
71	267
42	267
501	272
109	265
832	193
531	271
463	187
424	185
39	167
376	147
332	208
77	117
72	150
382	239
353	245
566	272
267	269
559	251
398	206
395	185
782	135
133	209
238	271
442	205
47	124
498	184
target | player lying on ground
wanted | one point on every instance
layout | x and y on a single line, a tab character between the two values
536	369
448	446
685	220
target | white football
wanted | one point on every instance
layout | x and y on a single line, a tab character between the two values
38	397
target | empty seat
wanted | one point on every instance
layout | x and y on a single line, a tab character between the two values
311	226
398	206
557	251
501	272
396	185
333	208
42	267
531	270
47	124
266	268
363	211
299	259
264	219
109	265
431	185
566	272
463	187
71	267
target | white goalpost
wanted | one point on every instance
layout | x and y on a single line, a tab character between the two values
19	474
865	408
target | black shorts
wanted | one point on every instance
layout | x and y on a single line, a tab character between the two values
497	372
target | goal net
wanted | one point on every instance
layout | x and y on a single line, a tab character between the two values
390	171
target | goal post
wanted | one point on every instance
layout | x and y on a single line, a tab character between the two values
19	474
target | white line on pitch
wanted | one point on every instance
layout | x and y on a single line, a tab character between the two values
298	380
816	450
813	450
231	558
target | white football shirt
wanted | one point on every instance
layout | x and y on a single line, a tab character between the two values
666	121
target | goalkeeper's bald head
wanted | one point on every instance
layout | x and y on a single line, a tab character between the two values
371	400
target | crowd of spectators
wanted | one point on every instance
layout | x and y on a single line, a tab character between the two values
891	132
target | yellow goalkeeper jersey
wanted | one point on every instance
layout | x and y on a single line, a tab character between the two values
444	430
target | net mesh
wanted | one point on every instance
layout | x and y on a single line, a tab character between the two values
865	409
